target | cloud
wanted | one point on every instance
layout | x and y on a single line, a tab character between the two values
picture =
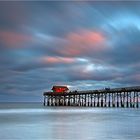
44	62
57	60
95	72
86	37
82	42
14	39
85	45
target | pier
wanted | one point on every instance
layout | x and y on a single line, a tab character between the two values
128	97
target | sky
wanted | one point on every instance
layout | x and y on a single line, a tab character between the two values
84	45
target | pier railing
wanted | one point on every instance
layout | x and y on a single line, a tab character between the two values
116	97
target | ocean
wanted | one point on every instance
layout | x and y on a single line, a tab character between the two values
33	121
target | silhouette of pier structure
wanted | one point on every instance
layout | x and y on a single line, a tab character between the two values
128	97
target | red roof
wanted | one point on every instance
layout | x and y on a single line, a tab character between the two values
60	89
56	87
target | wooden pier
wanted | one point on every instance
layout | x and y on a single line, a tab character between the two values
128	97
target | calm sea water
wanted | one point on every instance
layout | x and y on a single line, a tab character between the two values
34	121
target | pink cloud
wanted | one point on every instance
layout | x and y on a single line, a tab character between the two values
84	41
86	37
57	60
12	39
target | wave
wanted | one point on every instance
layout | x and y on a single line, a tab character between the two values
12	111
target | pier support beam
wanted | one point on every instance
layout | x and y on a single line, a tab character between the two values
137	103
44	102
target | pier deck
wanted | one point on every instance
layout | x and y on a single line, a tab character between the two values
116	97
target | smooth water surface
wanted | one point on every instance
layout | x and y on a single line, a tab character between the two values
34	121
